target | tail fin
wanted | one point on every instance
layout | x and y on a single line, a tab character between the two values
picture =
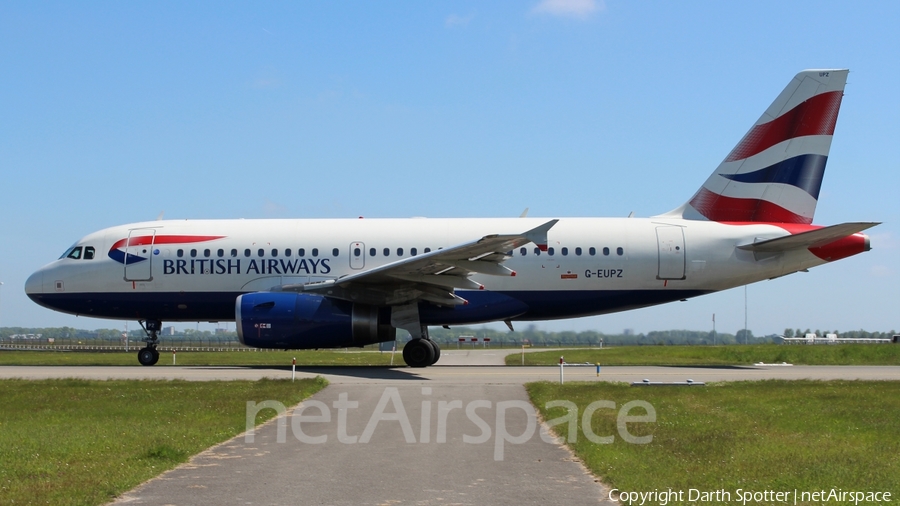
775	172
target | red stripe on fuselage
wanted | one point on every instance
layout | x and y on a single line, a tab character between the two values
164	239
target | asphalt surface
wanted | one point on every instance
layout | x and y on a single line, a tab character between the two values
458	375
381	451
461	432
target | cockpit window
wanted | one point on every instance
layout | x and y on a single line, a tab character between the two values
74	253
88	252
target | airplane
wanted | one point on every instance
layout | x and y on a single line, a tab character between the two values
812	338
335	283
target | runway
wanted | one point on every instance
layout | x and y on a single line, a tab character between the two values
447	434
458	375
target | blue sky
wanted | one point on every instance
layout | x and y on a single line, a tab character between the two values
113	112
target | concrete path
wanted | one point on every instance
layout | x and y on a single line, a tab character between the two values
387	445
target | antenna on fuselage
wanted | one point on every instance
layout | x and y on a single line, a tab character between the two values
161	213
524	213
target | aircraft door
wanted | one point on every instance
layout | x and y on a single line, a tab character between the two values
357	255
139	254
671	252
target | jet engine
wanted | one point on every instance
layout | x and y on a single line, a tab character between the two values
285	320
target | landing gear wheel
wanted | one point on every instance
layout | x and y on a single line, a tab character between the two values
418	353
437	351
148	356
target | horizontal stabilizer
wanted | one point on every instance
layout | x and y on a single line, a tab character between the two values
811	239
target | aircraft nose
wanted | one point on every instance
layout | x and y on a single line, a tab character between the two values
35	283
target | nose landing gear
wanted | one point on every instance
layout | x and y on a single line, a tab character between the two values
149	355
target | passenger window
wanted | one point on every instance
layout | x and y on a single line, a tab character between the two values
427	250
88	252
399	252
193	253
315	252
261	252
356	252
233	253
220	253
550	251
578	251
537	251
606	252
592	251
565	251
287	252
387	252
75	254
335	252
301	252
274	252
206	253
247	252
620	251
179	253
413	251
523	251
372	252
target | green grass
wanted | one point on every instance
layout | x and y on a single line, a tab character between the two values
84	442
197	358
760	435
840	354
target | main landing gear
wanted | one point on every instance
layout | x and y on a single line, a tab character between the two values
149	355
421	352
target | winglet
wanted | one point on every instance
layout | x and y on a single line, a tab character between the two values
538	235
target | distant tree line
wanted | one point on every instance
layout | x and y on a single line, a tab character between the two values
593	338
529	336
69	335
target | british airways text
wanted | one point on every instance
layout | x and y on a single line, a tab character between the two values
235	266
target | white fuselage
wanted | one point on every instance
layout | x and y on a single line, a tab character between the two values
191	270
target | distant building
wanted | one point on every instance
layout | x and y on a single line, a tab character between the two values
628	332
168	331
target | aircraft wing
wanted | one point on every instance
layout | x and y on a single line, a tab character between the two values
432	276
811	239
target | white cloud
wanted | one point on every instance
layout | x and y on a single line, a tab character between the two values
271	208
881	271
454	20
572	8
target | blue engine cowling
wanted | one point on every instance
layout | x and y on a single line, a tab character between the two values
298	321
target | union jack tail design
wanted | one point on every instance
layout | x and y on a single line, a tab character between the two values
774	173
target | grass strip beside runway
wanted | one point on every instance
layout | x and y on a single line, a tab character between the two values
755	436
203	358
84	442
837	354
